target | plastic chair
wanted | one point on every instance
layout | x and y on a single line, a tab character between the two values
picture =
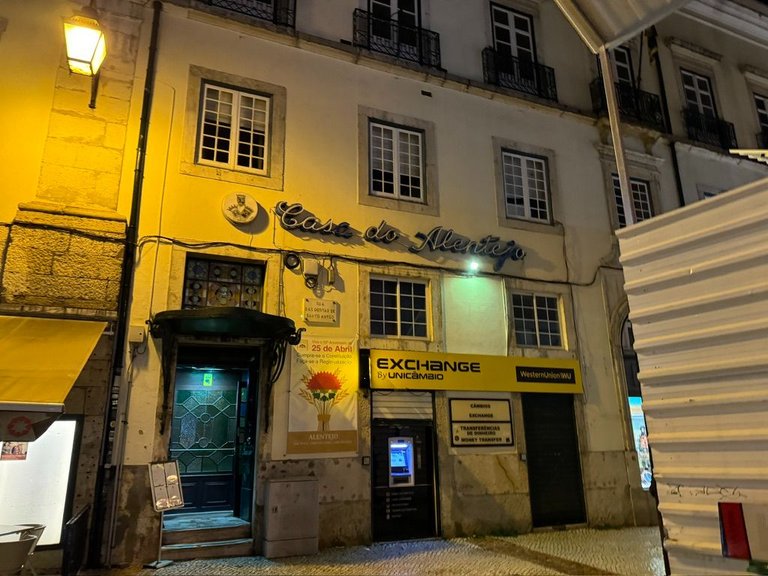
35	530
14	554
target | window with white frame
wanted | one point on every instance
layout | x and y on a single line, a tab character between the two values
698	93
641	200
526	190
396	162
398	307
622	63
761	105
234	129
536	320
513	33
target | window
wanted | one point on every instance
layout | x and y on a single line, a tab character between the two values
536	320
513	33
526	193
396	160
234	130
403	12
761	104
622	61
641	200
398	307
698	93
210	283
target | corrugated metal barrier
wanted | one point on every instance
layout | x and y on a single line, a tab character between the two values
697	283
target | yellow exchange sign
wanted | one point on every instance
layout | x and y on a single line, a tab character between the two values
394	369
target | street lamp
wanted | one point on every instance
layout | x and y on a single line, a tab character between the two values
86	46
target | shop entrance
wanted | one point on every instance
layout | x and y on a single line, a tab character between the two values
213	435
554	469
404	497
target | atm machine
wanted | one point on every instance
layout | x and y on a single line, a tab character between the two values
401	471
403	480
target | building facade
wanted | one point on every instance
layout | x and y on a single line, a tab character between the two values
375	268
419	187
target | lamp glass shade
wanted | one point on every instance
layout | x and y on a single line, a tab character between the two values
86	46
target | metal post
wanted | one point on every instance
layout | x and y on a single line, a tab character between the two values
618	146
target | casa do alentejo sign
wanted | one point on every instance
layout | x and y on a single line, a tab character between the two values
294	217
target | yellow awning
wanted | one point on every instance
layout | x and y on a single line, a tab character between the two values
40	358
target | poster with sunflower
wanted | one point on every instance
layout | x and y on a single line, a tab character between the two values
322	410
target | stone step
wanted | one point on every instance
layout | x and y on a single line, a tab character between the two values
215	549
195	535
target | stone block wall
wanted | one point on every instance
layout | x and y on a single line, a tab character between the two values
63	258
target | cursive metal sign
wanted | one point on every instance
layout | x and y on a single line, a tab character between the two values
294	217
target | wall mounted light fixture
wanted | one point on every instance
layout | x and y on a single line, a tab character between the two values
86	46
292	260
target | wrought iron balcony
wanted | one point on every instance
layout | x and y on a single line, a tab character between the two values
280	12
410	43
708	129
635	105
762	138
519	74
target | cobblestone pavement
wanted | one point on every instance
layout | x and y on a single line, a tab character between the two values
630	551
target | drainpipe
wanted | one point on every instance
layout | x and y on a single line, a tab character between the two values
653	53
121	328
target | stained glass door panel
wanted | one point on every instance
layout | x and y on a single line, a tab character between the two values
203	431
203	436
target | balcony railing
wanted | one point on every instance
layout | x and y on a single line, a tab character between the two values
635	105
519	74
280	12
708	129
410	43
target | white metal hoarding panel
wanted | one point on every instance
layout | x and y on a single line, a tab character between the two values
697	284
609	23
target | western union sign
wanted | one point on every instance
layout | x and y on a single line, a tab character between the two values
394	369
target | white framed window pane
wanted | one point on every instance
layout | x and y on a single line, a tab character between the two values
216	129
398	308
623	64
234	129
761	104
621	216
524	317
548	321
641	200
512	33
698	93
252	135
536	320
526	194
396	162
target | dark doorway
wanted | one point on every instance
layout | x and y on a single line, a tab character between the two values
404	497
213	434
554	469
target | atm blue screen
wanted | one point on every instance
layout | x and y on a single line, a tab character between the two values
398	460
401	462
